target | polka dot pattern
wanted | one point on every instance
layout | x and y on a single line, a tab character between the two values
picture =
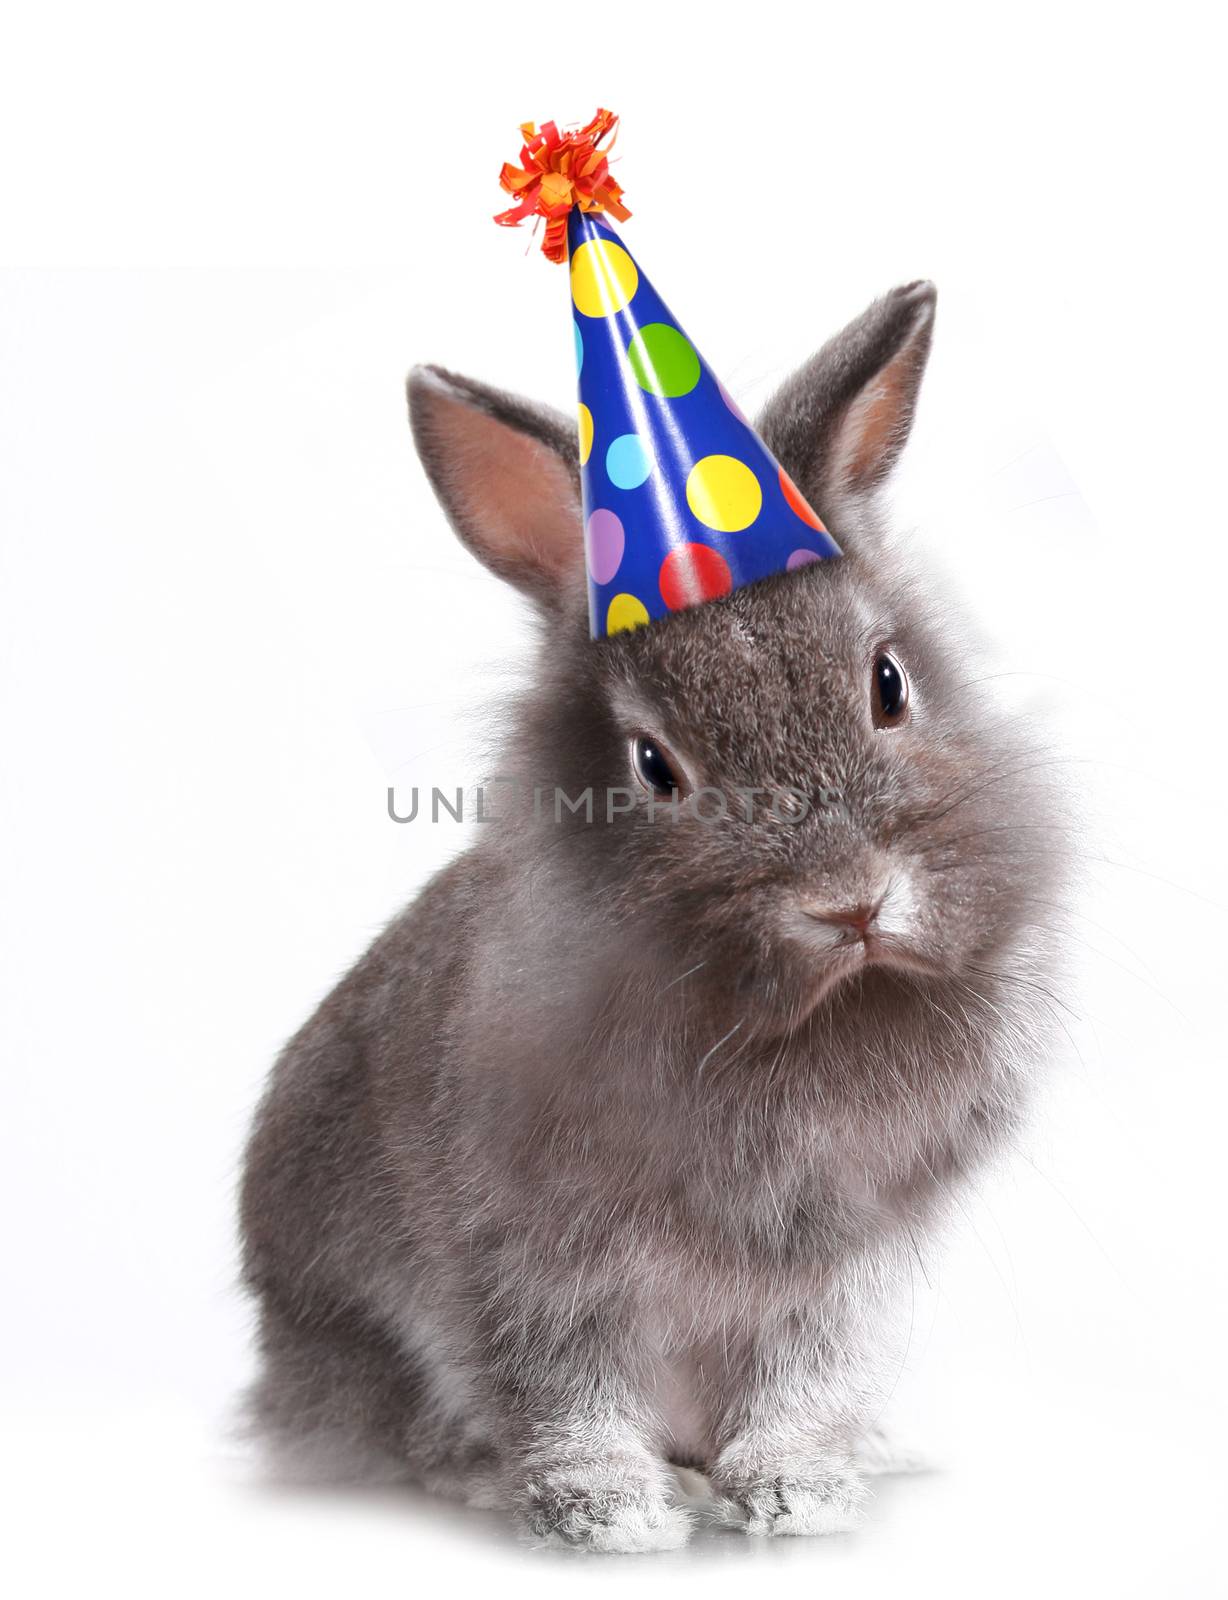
627	462
683	502
723	493
664	360
730	402
606	543
603	278
625	612
692	573
797	503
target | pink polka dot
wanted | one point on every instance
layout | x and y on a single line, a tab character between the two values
731	402
800	558
605	544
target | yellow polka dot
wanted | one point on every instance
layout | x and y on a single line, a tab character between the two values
723	493
586	433
625	612
603	278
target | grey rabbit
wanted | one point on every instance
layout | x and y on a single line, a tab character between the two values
619	1146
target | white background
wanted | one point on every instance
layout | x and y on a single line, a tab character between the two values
231	615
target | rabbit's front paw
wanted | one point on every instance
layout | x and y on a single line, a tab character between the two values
596	1506
828	1500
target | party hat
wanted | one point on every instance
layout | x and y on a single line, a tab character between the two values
683	501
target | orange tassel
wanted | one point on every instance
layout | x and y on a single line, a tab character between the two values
560	171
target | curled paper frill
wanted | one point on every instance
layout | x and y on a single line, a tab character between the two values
558	172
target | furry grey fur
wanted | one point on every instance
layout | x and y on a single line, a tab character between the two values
611	1152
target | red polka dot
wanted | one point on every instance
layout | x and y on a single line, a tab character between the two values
797	502
692	573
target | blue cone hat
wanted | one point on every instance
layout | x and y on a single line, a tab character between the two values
683	502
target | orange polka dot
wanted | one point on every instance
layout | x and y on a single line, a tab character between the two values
798	503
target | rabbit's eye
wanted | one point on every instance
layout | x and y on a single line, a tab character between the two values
889	694
655	767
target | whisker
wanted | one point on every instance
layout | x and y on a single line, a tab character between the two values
1026	981
683	975
1064	911
708	1056
1169	883
991	779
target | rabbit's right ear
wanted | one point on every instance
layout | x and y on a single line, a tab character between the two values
507	472
839	423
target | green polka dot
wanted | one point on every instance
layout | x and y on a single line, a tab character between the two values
663	360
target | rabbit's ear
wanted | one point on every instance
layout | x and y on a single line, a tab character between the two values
507	473
838	424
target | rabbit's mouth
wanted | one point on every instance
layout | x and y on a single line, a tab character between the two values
876	929
846	959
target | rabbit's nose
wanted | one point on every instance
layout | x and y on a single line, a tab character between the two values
851	923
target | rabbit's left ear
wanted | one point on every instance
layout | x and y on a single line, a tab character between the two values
839	423
507	472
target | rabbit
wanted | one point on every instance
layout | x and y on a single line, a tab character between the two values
617	1150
